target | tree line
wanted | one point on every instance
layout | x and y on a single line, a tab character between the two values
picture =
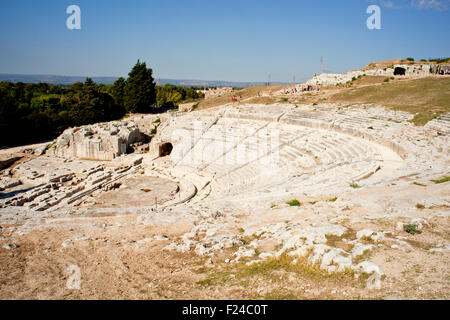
31	112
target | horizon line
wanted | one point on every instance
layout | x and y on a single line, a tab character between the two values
155	78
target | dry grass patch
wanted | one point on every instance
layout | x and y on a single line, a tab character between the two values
251	92
274	273
364	256
420	244
338	243
427	98
263	100
368	80
281	294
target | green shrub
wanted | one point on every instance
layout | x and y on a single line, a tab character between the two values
294	203
411	228
439	60
445	179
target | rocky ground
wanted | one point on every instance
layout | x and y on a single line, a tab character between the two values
355	205
125	255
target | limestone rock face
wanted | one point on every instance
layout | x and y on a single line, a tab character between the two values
329	79
101	141
6	161
7	182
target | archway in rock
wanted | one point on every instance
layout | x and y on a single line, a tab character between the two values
399	71
165	149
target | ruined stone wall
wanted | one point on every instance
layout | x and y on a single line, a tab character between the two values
102	141
330	79
211	93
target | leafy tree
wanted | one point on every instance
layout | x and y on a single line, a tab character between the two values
171	95
118	91
8	111
56	89
139	91
43	111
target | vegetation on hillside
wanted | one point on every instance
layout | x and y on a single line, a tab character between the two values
426	98
35	112
170	95
439	60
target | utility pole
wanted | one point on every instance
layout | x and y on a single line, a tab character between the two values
321	65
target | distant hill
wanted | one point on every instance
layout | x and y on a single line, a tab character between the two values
213	83
68	80
52	79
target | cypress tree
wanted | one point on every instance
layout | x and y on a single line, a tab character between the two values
140	92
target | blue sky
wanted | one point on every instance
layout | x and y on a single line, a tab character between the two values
242	40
